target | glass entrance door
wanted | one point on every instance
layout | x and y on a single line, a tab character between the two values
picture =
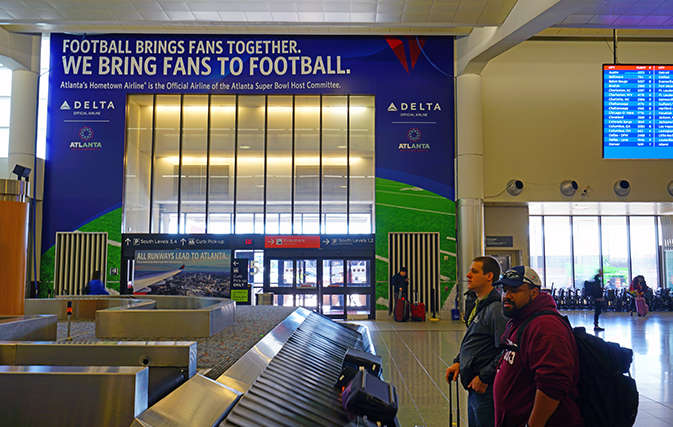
359	287
281	281
306	282
334	287
294	282
333	302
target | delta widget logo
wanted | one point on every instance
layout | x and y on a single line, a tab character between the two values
413	135
85	134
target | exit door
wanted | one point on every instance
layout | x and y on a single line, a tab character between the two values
334	287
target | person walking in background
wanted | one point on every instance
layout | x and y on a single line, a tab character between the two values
95	286
480	348
594	289
400	283
537	379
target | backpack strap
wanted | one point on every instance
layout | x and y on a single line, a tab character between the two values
522	327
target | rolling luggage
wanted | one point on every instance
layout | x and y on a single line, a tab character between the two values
357	358
418	310
367	395
641	306
353	360
361	422
401	310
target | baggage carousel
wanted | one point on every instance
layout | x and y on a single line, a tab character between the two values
274	366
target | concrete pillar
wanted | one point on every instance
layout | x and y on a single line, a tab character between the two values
23	121
469	174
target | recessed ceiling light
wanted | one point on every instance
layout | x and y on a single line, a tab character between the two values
243	147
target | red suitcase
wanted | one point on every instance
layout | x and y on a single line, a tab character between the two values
401	310
418	312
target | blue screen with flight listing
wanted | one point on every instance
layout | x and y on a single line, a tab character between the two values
637	111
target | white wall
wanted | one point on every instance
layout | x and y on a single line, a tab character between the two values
542	104
508	221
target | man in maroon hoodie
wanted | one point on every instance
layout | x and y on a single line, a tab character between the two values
536	382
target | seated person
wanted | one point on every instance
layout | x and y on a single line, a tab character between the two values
95	286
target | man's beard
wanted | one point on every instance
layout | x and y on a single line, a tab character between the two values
514	312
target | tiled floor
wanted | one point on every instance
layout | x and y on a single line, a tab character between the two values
415	356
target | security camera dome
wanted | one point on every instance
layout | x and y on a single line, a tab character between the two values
569	187
622	187
514	187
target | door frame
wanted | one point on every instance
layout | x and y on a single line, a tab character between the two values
319	290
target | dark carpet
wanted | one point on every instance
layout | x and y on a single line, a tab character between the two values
215	354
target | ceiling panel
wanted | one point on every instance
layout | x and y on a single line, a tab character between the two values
632	18
323	16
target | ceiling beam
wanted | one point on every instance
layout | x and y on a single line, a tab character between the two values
527	18
20	51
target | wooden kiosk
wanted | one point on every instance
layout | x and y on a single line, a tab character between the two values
14	217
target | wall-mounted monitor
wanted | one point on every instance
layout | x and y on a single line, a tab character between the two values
637	111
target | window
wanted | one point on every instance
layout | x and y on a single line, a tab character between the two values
301	164
557	251
624	246
43	86
5	107
615	251
586	248
536	246
644	248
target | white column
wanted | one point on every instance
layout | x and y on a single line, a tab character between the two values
23	120
469	174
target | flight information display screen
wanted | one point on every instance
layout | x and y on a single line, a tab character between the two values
637	111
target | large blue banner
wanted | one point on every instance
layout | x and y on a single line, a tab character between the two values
91	75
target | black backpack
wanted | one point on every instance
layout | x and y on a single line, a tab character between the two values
608	398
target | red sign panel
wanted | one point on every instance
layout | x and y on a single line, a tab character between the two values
292	242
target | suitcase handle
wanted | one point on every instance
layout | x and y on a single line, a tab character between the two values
457	404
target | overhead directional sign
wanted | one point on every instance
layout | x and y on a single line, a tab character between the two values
295	241
174	241
354	241
134	242
346	241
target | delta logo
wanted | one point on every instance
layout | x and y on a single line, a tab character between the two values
414	136
414	109
85	134
87	108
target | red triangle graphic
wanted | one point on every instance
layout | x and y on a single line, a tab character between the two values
398	47
415	49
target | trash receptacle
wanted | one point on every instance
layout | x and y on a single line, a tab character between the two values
265	298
